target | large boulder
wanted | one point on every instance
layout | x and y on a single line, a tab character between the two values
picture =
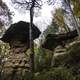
53	40
17	34
20	31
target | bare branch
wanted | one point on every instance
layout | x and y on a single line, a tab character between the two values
19	2
37	4
28	4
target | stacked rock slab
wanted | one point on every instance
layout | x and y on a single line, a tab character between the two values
15	65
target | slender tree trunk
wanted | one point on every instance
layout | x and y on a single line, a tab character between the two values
66	27
31	40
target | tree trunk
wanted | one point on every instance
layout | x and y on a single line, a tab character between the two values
31	40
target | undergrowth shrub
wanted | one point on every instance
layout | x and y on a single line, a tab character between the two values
59	73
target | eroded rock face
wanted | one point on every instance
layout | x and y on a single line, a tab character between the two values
20	32
53	40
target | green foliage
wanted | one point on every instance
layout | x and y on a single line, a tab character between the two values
76	8
43	59
52	29
59	19
59	73
40	59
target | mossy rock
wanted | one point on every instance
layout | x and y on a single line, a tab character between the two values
71	57
74	51
60	60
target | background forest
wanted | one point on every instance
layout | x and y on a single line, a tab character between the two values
63	63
